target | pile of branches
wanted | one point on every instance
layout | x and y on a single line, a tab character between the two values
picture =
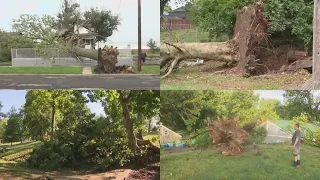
228	136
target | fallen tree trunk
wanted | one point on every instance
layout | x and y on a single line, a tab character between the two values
148	143
250	31
88	53
173	54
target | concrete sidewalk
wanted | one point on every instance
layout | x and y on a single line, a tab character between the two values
87	70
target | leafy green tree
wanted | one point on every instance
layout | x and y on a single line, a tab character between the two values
44	109
268	109
103	22
44	28
180	109
14	128
11	40
132	107
152	45
240	105
3	124
288	18
68	15
302	119
297	102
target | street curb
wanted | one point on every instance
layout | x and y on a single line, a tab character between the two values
102	75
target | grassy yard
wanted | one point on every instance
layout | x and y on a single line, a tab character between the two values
148	69
203	77
187	35
275	162
41	70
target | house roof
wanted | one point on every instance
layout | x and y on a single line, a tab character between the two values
170	130
180	9
284	124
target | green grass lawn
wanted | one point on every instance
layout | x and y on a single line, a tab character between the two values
154	69
203	77
41	70
274	163
186	35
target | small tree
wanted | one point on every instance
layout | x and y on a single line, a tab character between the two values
152	45
14	128
302	119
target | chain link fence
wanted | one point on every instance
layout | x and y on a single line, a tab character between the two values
56	57
181	30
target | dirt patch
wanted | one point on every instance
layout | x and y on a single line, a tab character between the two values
149	173
175	150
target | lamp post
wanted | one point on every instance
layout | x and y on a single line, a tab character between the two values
139	35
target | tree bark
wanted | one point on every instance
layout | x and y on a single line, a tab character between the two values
128	123
88	53
53	116
149	126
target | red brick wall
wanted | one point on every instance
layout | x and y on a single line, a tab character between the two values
176	24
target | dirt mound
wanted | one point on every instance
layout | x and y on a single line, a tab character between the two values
149	173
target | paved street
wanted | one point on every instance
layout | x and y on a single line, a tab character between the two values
139	82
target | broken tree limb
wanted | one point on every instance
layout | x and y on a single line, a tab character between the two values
173	54
148	143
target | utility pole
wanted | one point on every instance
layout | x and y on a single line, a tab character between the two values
316	46
139	35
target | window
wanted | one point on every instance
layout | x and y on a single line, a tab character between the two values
166	133
88	41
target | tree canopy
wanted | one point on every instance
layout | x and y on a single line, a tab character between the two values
73	136
286	18
197	108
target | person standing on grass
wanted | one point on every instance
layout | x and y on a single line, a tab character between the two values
296	142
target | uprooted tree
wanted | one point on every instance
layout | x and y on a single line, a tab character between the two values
228	136
62	32
252	49
250	30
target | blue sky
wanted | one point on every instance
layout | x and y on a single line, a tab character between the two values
127	9
16	98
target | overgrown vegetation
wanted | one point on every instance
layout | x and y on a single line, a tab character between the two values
73	137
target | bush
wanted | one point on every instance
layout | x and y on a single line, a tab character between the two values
312	138
203	140
188	142
96	144
258	135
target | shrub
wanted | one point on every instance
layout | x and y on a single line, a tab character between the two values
258	135
188	142
203	141
95	144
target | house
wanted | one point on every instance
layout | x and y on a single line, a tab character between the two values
87	37
168	136
177	19
281	131
179	13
